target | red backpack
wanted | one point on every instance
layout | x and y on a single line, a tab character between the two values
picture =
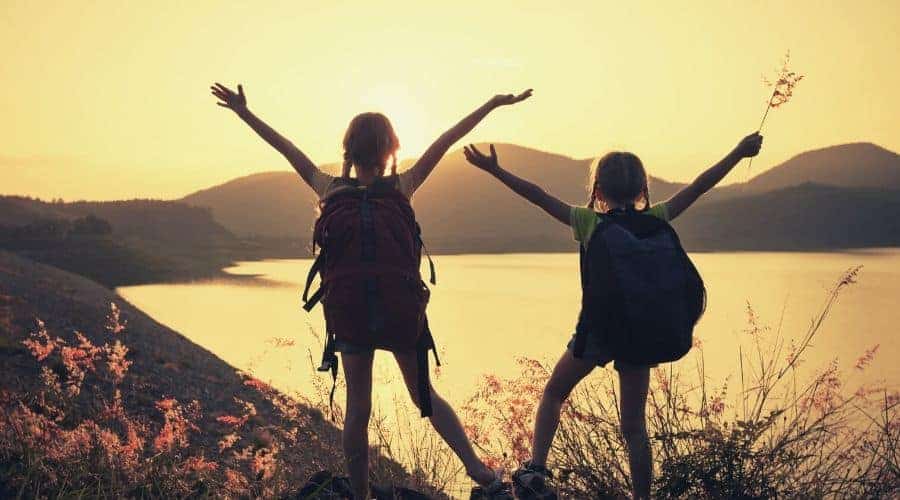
371	289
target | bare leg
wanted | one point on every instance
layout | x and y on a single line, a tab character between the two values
445	421
633	385
568	372
358	374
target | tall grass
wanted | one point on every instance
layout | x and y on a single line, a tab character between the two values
777	434
83	432
771	430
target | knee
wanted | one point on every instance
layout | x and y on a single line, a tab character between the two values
633	430
556	392
358	414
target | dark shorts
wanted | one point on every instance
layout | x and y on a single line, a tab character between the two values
350	348
596	352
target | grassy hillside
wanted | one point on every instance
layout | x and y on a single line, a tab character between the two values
134	409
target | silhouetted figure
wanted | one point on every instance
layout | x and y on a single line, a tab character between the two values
373	295
618	196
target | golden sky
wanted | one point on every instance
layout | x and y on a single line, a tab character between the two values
109	99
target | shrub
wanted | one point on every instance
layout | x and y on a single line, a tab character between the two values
785	437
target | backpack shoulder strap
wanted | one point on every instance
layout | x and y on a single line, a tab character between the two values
330	364
423	382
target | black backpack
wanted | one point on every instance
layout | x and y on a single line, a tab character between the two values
641	294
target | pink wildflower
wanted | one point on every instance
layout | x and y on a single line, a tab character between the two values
264	462
174	432
228	441
199	464
867	357
281	342
231	420
40	344
235	482
257	384
114	323
116	362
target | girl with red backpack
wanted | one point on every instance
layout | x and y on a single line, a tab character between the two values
372	292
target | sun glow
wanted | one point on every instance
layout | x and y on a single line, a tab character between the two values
404	109
676	83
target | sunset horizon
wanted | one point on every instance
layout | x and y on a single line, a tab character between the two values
483	250
673	85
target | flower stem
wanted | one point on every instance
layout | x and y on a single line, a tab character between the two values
761	122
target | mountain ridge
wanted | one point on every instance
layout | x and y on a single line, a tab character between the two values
462	210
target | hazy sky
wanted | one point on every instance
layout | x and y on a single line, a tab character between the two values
109	100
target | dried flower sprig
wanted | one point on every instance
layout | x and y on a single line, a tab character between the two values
782	89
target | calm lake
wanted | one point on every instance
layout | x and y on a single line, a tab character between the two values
487	310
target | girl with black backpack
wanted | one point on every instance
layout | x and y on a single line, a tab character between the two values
641	296
372	292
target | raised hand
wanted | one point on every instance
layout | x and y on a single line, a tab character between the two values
480	160
229	99
749	146
507	99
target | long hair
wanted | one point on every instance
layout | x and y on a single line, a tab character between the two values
368	142
620	178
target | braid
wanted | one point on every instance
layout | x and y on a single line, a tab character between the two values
646	193
394	164
592	187
348	163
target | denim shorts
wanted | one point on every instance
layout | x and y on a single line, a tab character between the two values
595	351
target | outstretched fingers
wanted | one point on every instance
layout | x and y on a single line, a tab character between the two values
524	95
472	153
479	159
220	91
227	97
223	89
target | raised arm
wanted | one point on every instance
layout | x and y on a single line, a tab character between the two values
426	163
237	102
557	208
748	147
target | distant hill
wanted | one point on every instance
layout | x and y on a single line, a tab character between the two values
121	242
269	204
166	222
19	211
805	217
858	165
463	210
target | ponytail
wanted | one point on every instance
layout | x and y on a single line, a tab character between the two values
348	163
646	193
592	186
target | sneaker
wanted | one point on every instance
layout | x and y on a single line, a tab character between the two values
532	482
497	490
